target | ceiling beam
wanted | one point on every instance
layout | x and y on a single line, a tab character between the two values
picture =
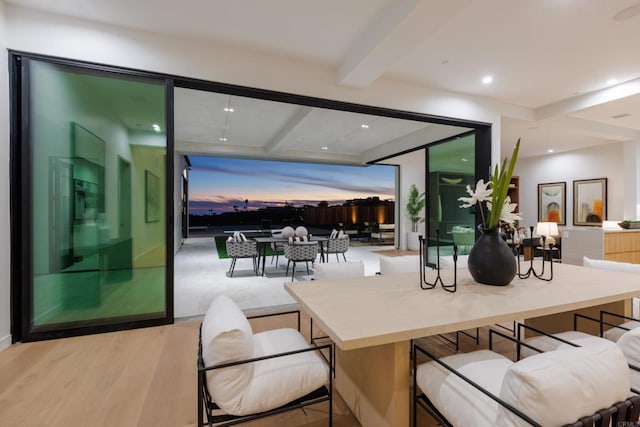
398	30
591	99
597	129
277	142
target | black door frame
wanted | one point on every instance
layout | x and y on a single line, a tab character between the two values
21	211
20	175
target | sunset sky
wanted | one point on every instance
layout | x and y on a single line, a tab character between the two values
218	184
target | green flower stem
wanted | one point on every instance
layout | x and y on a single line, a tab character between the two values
500	184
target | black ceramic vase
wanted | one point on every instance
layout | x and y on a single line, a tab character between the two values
491	260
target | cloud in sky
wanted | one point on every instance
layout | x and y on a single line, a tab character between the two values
217	184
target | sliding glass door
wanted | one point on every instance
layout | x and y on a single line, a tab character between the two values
93	151
452	165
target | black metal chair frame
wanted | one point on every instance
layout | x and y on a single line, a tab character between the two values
206	403
627	411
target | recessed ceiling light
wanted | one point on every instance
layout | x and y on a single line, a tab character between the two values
324	148
229	109
487	80
364	126
550	150
223	139
611	82
156	127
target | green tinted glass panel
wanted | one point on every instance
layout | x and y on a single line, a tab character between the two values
451	169
98	197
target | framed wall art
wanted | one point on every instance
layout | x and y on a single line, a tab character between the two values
552	202
589	201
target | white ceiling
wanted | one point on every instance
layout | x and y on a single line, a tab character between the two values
551	57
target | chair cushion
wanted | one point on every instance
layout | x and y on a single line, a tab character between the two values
461	403
614	334
559	387
282	379
611	265
545	343
226	337
629	343
339	270
399	264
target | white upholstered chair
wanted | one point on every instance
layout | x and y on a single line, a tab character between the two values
626	335
243	376
549	389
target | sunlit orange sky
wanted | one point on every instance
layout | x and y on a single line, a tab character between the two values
216	185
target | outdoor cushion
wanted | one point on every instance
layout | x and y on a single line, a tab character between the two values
301	231
559	387
399	264
288	232
227	336
614	334
459	402
281	380
339	270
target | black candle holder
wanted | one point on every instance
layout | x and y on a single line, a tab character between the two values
424	284
531	271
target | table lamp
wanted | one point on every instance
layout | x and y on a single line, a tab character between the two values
546	230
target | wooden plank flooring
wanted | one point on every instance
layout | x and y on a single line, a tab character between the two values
142	377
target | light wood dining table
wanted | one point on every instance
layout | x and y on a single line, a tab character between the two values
373	319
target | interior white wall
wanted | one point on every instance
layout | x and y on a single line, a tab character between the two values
595	162
412	171
5	250
631	177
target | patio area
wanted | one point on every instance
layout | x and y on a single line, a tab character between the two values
200	275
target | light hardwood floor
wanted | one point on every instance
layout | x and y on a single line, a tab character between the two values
142	377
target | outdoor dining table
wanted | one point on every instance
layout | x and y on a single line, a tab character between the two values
264	242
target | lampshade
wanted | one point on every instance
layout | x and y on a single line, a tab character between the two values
547	229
